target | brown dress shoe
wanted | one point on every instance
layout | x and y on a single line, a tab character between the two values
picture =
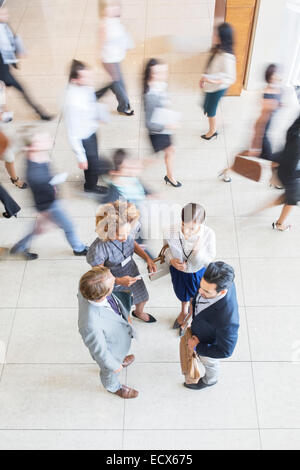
127	392
128	360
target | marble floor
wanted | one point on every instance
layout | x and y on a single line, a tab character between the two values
50	393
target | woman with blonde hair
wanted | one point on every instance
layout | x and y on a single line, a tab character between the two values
115	41
116	226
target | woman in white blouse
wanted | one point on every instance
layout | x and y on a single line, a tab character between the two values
191	247
219	75
115	41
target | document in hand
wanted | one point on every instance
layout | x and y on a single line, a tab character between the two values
165	117
58	179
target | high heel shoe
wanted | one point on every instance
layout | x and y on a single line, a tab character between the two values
209	138
224	177
276	226
167	180
18	183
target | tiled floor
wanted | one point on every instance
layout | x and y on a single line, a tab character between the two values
50	393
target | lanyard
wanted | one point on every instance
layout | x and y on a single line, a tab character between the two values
118	248
187	256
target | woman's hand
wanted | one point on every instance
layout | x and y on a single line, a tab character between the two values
126	281
152	268
118	370
177	264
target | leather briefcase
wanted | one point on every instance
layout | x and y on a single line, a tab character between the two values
253	168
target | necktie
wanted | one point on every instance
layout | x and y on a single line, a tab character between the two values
113	305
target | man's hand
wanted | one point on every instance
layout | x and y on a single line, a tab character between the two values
126	281
177	264
118	370
83	165
192	342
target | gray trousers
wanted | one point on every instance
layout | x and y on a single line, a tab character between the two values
118	86
211	370
110	380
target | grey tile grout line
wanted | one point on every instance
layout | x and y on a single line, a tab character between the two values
92	364
146	429
246	318
13	321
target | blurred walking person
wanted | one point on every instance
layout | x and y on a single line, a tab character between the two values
115	41
160	120
44	193
219	74
82	116
10	49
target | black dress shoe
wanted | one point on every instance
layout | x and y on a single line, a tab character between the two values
127	113
81	253
7	215
209	138
168	181
151	318
198	386
96	190
176	325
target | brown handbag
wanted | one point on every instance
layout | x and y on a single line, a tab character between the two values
163	268
249	167
3	143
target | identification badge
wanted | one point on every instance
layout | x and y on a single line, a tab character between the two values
126	261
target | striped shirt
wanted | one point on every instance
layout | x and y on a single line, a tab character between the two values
183	249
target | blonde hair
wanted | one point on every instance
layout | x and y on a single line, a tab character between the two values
111	216
103	4
92	284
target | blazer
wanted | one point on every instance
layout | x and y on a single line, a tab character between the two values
106	334
217	326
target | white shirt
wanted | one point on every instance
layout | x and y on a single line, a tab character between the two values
103	303
117	41
82	116
222	67
202	303
182	249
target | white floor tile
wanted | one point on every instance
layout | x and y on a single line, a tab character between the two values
161	385
280	439
61	440
57	397
192	440
277	388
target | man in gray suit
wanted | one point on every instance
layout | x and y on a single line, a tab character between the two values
105	327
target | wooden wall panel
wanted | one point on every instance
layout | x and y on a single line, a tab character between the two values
240	14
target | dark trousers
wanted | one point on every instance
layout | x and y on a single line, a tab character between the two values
11	207
96	166
9	80
266	151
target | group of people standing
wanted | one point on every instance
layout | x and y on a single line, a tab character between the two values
107	293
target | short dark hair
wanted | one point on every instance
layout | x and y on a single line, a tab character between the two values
219	273
76	67
270	70
118	158
193	212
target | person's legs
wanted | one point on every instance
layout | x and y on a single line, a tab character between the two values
23	245
211	370
17	85
283	216
212	121
118	86
184	312
169	158
62	220
110	380
91	174
10	205
139	311
11	170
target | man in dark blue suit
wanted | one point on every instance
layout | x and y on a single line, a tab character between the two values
215	321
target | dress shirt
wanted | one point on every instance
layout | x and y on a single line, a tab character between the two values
82	116
202	303
104	303
181	248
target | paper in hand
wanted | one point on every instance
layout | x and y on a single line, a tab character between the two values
58	179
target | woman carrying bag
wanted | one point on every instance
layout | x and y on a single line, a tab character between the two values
191	248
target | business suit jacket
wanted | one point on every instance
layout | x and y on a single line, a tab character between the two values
217	326
106	334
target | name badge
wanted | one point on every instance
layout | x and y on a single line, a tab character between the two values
126	261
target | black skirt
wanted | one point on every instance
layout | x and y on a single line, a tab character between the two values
160	141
